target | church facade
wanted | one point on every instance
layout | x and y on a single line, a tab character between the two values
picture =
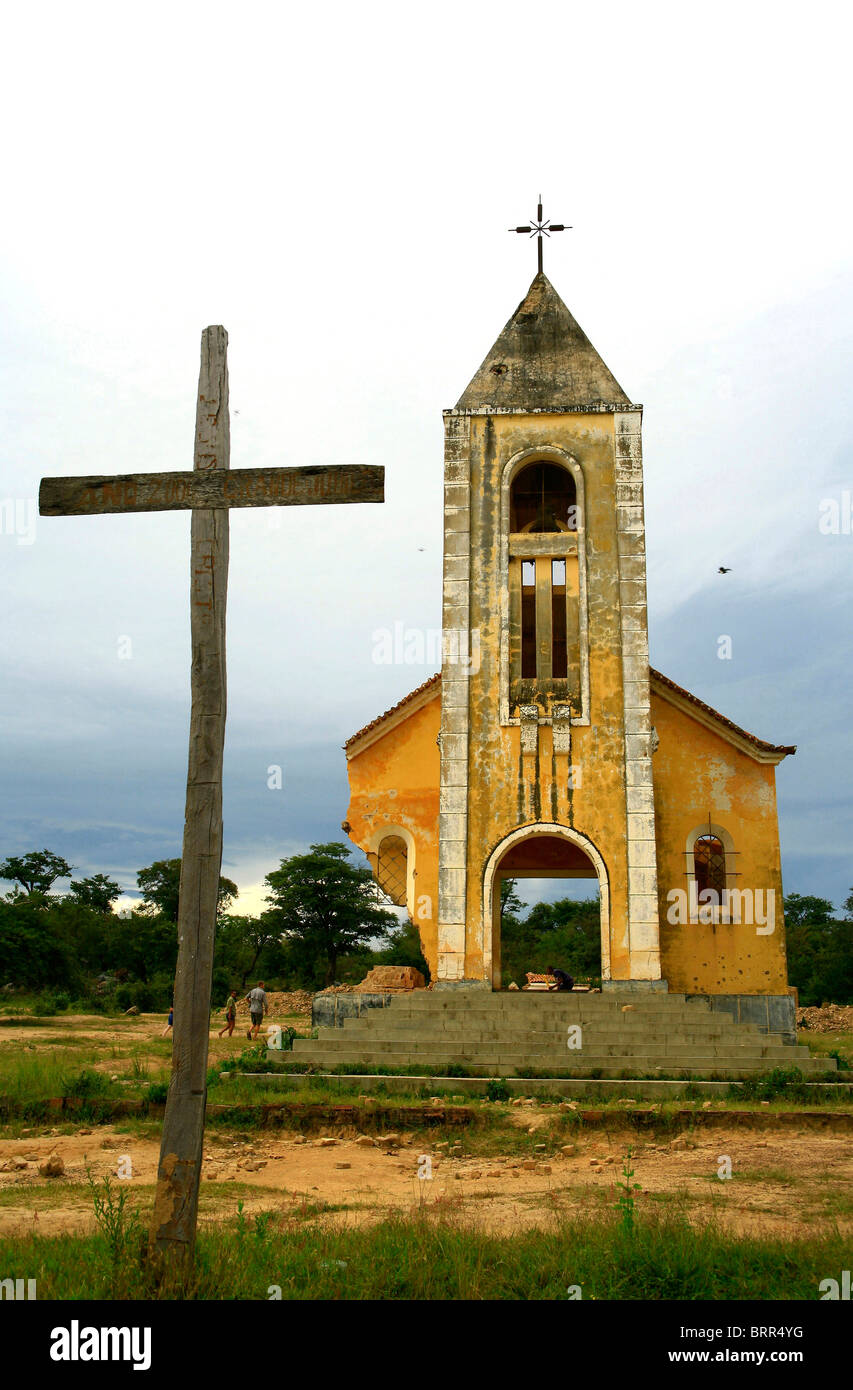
547	747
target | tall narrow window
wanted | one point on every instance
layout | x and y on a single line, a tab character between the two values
559	646
709	865
528	620
392	867
543	658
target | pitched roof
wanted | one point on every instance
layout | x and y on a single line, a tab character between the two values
401	704
542	359
765	752
774	751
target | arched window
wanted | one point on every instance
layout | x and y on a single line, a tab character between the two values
392	868
544	586
709	865
543	500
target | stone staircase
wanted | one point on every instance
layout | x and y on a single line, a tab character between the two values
502	1034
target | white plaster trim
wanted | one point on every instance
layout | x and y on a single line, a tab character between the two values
643	925
456	606
529	832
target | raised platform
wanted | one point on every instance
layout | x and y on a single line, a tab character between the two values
551	1087
610	1035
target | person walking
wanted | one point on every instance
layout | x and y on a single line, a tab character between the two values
230	1014
257	1000
167	1030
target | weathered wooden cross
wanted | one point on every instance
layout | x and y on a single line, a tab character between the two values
208	491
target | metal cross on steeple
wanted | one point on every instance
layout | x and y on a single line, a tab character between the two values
541	228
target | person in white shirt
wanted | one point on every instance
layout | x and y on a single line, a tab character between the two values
257	1008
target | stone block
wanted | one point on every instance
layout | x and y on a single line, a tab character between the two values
642	884
640	826
454	719
454	746
457	495
637	747
638	723
391	979
452	798
638	772
641	799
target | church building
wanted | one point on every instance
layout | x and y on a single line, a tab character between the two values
548	747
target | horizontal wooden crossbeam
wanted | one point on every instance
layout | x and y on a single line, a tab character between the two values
238	487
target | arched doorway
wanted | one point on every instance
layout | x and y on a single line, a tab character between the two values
540	851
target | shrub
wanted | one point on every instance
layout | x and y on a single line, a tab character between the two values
138	993
778	1084
497	1089
85	1084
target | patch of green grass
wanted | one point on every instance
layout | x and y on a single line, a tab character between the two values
767	1175
658	1257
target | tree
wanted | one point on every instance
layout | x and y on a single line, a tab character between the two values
405	948
39	946
98	892
243	939
806	911
160	887
36	871
564	933
511	904
326	906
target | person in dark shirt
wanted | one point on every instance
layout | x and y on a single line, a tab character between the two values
562	980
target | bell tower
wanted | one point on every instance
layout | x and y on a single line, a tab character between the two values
545	727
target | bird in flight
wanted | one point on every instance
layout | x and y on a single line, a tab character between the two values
724	569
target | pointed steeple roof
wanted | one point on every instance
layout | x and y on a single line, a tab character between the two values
542	359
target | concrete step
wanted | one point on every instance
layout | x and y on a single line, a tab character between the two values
509	1065
523	1005
524	1017
551	1048
504	1033
555	1058
606	1032
393	1047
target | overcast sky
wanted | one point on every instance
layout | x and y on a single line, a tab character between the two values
333	183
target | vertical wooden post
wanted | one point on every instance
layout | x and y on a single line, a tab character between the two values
173	1225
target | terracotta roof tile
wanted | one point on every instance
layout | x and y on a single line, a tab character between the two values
380	718
721	718
759	743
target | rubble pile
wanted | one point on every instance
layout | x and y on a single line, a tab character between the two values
830	1018
391	979
280	1003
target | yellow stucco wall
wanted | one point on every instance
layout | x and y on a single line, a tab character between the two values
394	783
697	772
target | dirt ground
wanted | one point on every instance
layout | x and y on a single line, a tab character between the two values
135	1032
783	1182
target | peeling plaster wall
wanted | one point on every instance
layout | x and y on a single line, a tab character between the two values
508	786
394	782
696	771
